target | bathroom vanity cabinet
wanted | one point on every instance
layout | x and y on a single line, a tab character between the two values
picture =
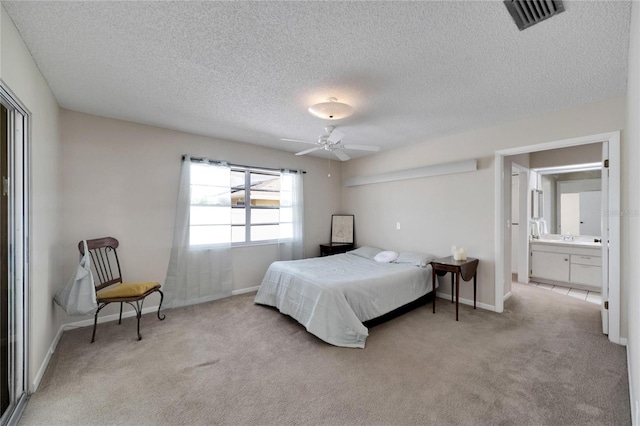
574	265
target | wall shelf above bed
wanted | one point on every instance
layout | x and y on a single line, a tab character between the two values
420	172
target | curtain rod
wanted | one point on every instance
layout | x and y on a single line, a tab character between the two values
202	159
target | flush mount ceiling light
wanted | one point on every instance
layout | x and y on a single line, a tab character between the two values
331	110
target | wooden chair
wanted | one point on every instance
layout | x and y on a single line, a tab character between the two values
108	281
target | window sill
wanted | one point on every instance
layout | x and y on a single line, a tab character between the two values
254	244
237	245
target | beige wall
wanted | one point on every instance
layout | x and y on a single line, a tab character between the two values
121	179
22	76
630	218
582	154
459	209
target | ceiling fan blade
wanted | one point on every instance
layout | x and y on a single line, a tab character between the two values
335	136
306	151
341	155
297	140
362	147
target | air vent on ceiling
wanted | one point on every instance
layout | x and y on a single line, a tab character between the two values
529	12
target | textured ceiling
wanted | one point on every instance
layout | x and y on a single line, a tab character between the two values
248	71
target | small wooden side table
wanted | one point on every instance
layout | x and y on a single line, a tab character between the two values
335	248
468	268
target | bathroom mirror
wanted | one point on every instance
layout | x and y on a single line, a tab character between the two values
573	202
536	203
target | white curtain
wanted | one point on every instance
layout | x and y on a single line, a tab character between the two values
290	241
201	273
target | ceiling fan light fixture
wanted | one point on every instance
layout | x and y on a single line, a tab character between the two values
331	110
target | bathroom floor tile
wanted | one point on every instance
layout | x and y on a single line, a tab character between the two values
594	297
578	294
561	290
545	286
588	296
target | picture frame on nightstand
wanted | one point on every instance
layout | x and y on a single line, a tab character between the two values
342	228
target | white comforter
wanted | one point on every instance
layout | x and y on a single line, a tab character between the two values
331	296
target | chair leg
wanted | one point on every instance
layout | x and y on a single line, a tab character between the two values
138	309
95	323
160	306
139	315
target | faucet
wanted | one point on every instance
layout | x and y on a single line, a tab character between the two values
534	228
567	237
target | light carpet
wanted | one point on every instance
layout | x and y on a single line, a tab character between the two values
544	361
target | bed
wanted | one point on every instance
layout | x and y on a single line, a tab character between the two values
332	296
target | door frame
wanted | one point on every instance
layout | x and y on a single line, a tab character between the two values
612	211
19	238
523	220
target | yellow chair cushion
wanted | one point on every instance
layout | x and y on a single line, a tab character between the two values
126	290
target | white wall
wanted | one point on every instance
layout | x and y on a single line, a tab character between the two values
439	211
121	179
630	219
22	76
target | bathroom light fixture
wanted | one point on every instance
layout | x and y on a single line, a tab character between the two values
569	168
331	110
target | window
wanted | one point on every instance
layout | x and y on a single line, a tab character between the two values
240	206
255	206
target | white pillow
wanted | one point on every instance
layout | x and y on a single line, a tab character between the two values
386	256
415	258
366	252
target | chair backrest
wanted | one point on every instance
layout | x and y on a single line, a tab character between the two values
104	261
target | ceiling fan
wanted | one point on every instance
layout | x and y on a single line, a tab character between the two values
332	141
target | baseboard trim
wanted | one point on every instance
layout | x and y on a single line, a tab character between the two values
45	362
245	290
506	296
108	318
463	301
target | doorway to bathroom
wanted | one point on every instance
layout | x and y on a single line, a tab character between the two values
609	250
559	197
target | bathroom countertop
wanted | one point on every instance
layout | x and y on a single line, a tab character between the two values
559	242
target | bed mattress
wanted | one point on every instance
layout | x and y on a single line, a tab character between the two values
332	296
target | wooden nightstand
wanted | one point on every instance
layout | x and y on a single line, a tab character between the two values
335	248
467	268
